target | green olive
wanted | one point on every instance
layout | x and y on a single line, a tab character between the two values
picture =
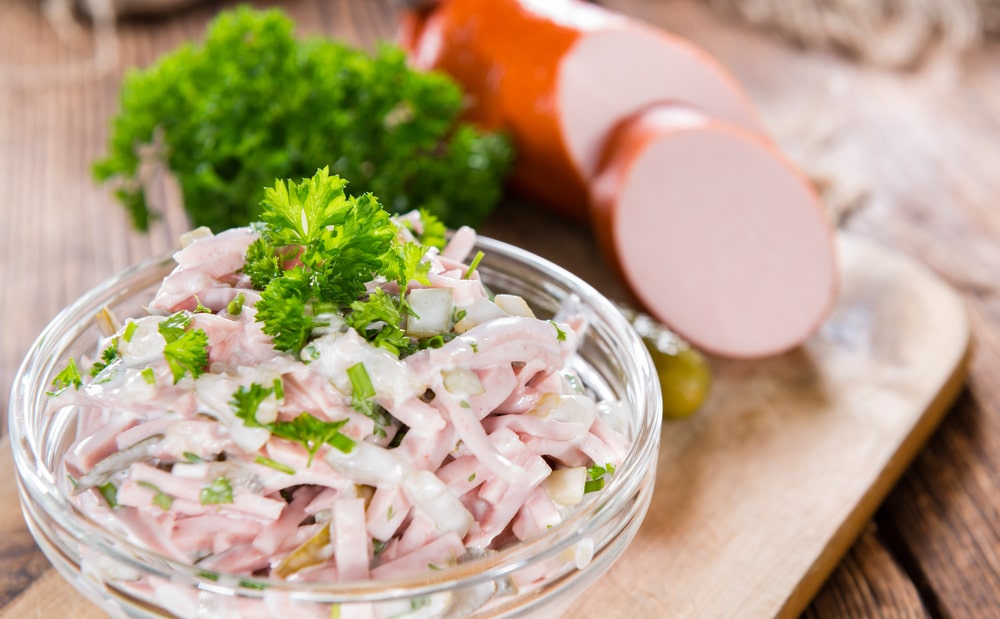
685	377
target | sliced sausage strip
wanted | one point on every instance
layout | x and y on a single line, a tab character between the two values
715	232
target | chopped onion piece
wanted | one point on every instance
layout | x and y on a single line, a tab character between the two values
463	382
513	304
431	312
477	312
434	498
565	486
369	464
198	233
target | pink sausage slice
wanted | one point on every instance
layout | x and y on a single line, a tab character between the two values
715	232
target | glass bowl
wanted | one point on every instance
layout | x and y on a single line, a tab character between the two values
128	581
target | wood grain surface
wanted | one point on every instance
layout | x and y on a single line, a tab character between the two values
912	153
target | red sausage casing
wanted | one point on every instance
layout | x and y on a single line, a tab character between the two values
558	75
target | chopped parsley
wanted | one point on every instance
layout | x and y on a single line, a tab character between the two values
305	429
108	356
186	350
110	493
189	354
160	498
220	491
68	377
247	400
379	318
560	334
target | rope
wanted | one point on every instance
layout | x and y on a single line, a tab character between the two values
892	33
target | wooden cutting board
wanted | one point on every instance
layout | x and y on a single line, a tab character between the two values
760	494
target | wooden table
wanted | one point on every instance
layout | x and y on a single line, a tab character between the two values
917	148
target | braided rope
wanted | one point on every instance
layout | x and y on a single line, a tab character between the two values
884	32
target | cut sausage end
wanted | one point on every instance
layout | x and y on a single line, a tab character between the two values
715	233
610	74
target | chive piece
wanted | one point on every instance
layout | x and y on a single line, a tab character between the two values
259	586
129	331
110	493
235	307
160	498
218	492
274	464
472	265
361	383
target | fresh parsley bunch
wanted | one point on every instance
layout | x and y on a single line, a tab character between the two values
253	103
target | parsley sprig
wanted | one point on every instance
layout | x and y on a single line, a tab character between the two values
318	252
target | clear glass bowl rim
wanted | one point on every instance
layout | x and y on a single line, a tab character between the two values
624	486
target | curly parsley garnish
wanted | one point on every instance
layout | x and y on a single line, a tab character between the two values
318	251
